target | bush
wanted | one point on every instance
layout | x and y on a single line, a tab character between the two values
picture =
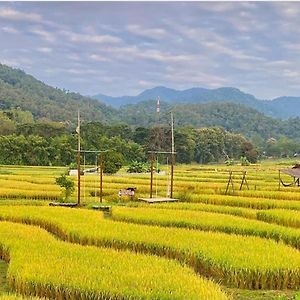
244	161
113	162
67	184
138	167
229	162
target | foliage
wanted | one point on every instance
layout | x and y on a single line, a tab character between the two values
138	167
30	107
67	184
113	162
229	162
21	91
244	161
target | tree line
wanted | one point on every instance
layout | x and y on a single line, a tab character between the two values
28	142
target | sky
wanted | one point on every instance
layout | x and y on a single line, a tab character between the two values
123	48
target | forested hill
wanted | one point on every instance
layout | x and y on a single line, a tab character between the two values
230	116
282	107
19	90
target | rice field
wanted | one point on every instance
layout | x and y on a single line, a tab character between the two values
210	245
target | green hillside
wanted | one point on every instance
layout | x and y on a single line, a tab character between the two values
19	90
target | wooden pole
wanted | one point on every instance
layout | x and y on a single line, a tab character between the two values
172	173
78	160
151	174
78	177
101	176
279	180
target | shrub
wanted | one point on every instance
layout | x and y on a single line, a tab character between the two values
67	184
138	167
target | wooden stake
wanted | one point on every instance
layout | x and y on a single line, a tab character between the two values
101	164
172	173
230	181
78	177
151	174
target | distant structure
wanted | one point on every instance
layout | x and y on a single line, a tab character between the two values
158	105
293	172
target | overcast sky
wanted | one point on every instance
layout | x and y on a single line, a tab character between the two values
119	48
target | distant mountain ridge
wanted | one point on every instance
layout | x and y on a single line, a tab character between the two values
19	90
282	107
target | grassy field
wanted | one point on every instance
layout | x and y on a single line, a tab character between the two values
210	245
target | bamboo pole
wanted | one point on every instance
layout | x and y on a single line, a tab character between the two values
78	177
151	174
101	177
172	173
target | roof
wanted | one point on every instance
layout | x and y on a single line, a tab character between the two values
294	171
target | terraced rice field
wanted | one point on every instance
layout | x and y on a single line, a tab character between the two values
243	245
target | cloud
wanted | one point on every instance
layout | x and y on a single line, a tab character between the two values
287	9
14	15
218	7
146	84
44	34
10	62
153	33
9	29
133	53
44	49
90	38
99	58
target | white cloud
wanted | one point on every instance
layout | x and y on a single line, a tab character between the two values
82	71
44	49
73	56
10	62
46	35
134	52
287	9
14	15
9	29
196	78
98	57
91	38
146	84
218	7
164	56
153	33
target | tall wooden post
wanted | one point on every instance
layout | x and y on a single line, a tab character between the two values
279	180
78	177
78	160
101	163
172	173
151	174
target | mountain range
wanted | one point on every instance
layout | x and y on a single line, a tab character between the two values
225	107
282	107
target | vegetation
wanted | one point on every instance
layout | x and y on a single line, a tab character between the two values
59	270
259	263
67	184
41	119
138	167
208	221
21	91
246	239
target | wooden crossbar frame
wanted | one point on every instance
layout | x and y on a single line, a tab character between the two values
296	181
153	155
231	183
